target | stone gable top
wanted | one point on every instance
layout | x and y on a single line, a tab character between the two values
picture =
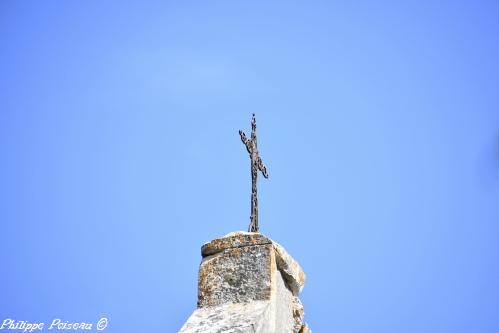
290	269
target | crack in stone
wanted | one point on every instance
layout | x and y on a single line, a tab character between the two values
234	247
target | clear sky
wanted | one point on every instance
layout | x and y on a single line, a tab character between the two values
378	123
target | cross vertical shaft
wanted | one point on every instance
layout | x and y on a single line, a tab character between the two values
256	165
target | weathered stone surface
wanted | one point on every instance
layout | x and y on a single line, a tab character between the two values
298	314
291	270
236	275
251	317
233	240
282	299
305	329
247	283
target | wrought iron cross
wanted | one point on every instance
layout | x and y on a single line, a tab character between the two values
256	165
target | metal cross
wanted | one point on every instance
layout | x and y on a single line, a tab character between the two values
256	165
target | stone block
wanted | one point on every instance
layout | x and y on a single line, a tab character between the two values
247	283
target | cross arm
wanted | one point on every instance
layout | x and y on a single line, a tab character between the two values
245	140
262	168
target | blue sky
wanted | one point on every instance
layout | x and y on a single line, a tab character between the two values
378	123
